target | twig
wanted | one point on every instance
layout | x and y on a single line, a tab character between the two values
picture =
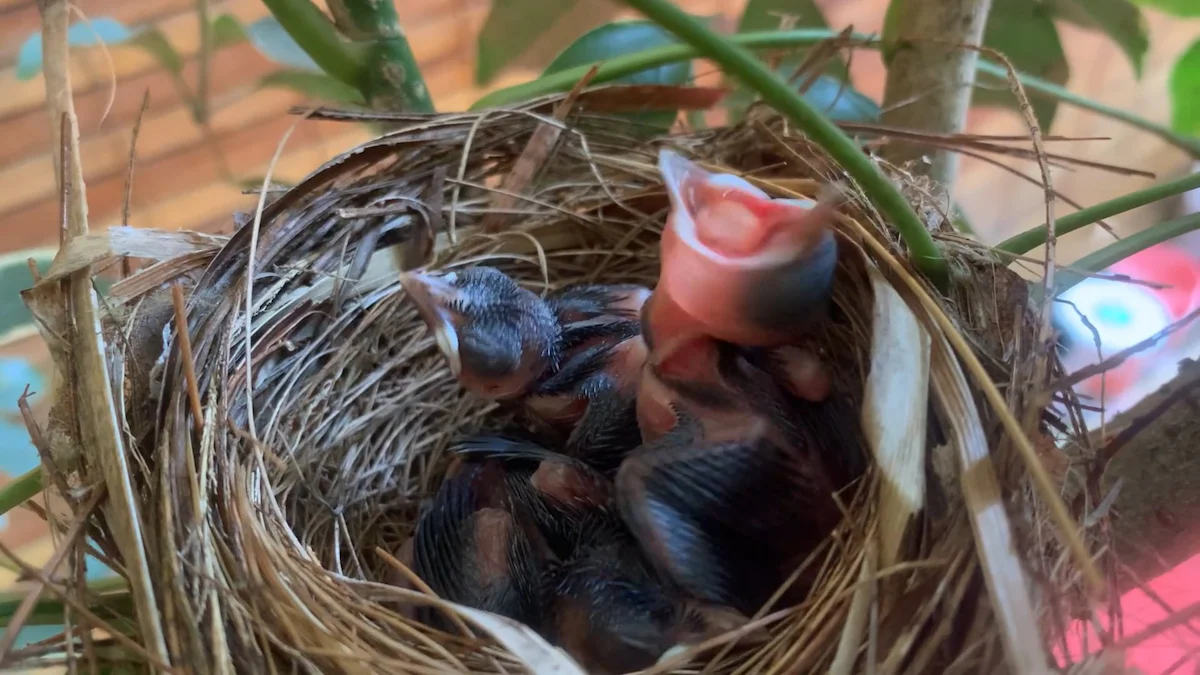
185	351
1033	181
1155	598
76	528
944	140
127	197
117	636
112	69
33	270
533	157
98	420
1040	368
133	138
257	225
1179	618
1117	359
42	446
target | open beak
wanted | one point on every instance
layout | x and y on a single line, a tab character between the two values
432	295
726	242
729	221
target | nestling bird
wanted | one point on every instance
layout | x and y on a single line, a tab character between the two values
737	265
476	545
602	600
498	338
570	362
734	488
591	394
741	267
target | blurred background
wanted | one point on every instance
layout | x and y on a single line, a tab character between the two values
198	150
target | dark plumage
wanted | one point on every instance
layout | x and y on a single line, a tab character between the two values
497	337
602	600
477	546
571	362
734	487
592	392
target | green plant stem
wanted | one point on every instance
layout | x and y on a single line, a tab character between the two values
21	490
621	66
774	90
649	58
1100	260
316	35
1037	85
1028	240
392	80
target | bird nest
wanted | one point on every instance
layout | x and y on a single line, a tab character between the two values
268	466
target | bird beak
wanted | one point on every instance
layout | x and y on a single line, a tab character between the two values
432	295
728	220
725	244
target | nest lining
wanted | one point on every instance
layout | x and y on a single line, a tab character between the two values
263	523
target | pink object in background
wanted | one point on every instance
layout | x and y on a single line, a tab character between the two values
1176	650
1125	313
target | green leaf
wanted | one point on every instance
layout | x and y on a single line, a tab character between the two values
273	42
512	26
1024	31
227	31
841	102
1176	7
1120	20
837	100
315	85
766	15
1185	91
152	40
626	37
14	278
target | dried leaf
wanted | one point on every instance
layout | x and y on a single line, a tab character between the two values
895	404
96	247
1002	567
532	158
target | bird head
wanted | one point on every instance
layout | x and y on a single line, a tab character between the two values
736	264
498	338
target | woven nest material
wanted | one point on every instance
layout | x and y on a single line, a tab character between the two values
257	547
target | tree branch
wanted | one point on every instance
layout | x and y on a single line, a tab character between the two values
929	80
1158	507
